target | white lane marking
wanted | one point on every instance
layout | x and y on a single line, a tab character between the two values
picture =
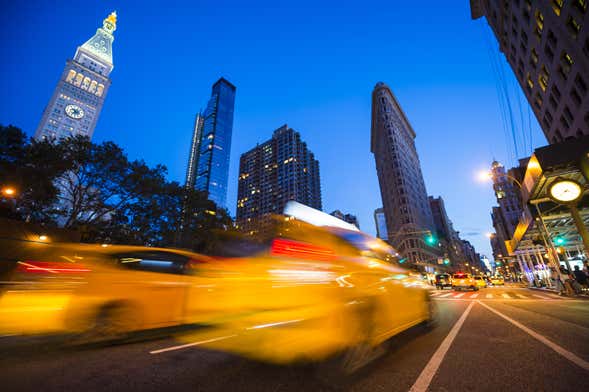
445	295
428	373
560	350
505	296
541	296
163	350
458	295
474	295
489	296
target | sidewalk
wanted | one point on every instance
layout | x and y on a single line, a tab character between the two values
585	295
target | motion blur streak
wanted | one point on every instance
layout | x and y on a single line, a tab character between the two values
302	293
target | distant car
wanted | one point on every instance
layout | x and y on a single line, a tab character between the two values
443	281
480	282
497	281
462	280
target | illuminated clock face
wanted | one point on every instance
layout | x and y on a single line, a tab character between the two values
565	191
74	111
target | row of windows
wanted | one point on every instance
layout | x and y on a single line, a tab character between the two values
85	83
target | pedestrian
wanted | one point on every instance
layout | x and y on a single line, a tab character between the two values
580	276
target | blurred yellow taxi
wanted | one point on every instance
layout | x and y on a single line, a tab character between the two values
102	292
461	280
480	281
305	292
315	292
497	281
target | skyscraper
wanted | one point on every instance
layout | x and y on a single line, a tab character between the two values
208	164
272	173
448	237
381	224
77	100
193	154
506	215
546	43
405	203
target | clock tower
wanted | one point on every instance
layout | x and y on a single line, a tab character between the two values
77	100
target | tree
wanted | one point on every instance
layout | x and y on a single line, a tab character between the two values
31	169
94	188
101	182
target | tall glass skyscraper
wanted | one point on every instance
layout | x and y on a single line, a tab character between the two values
212	144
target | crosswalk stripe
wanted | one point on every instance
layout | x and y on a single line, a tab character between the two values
445	295
522	296
435	293
505	295
489	296
541	296
458	295
474	295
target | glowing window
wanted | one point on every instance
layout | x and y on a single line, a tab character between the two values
70	76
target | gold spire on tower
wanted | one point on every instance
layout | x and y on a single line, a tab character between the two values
110	23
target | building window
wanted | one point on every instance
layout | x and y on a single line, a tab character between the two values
564	122
534	58
573	26
566	61
538	101
567	113
581	85
530	82
576	97
539	24
549	52
70	76
543	78
557	6
551	38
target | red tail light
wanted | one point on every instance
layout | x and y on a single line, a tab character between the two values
51	267
303	250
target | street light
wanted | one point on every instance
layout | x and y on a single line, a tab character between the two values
8	191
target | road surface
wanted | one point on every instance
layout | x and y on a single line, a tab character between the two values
496	339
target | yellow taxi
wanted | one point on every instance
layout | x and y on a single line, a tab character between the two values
314	293
307	292
480	281
497	281
461	280
99	291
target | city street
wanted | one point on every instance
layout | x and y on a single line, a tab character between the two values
499	338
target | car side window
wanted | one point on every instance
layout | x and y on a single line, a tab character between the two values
161	262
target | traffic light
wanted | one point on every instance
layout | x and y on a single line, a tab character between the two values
446	261
431	240
559	240
497	263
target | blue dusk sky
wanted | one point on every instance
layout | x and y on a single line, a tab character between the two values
309	64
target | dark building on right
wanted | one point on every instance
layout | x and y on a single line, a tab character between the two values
271	174
546	43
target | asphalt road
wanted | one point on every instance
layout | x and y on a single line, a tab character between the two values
496	339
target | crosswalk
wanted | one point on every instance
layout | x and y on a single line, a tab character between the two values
501	296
